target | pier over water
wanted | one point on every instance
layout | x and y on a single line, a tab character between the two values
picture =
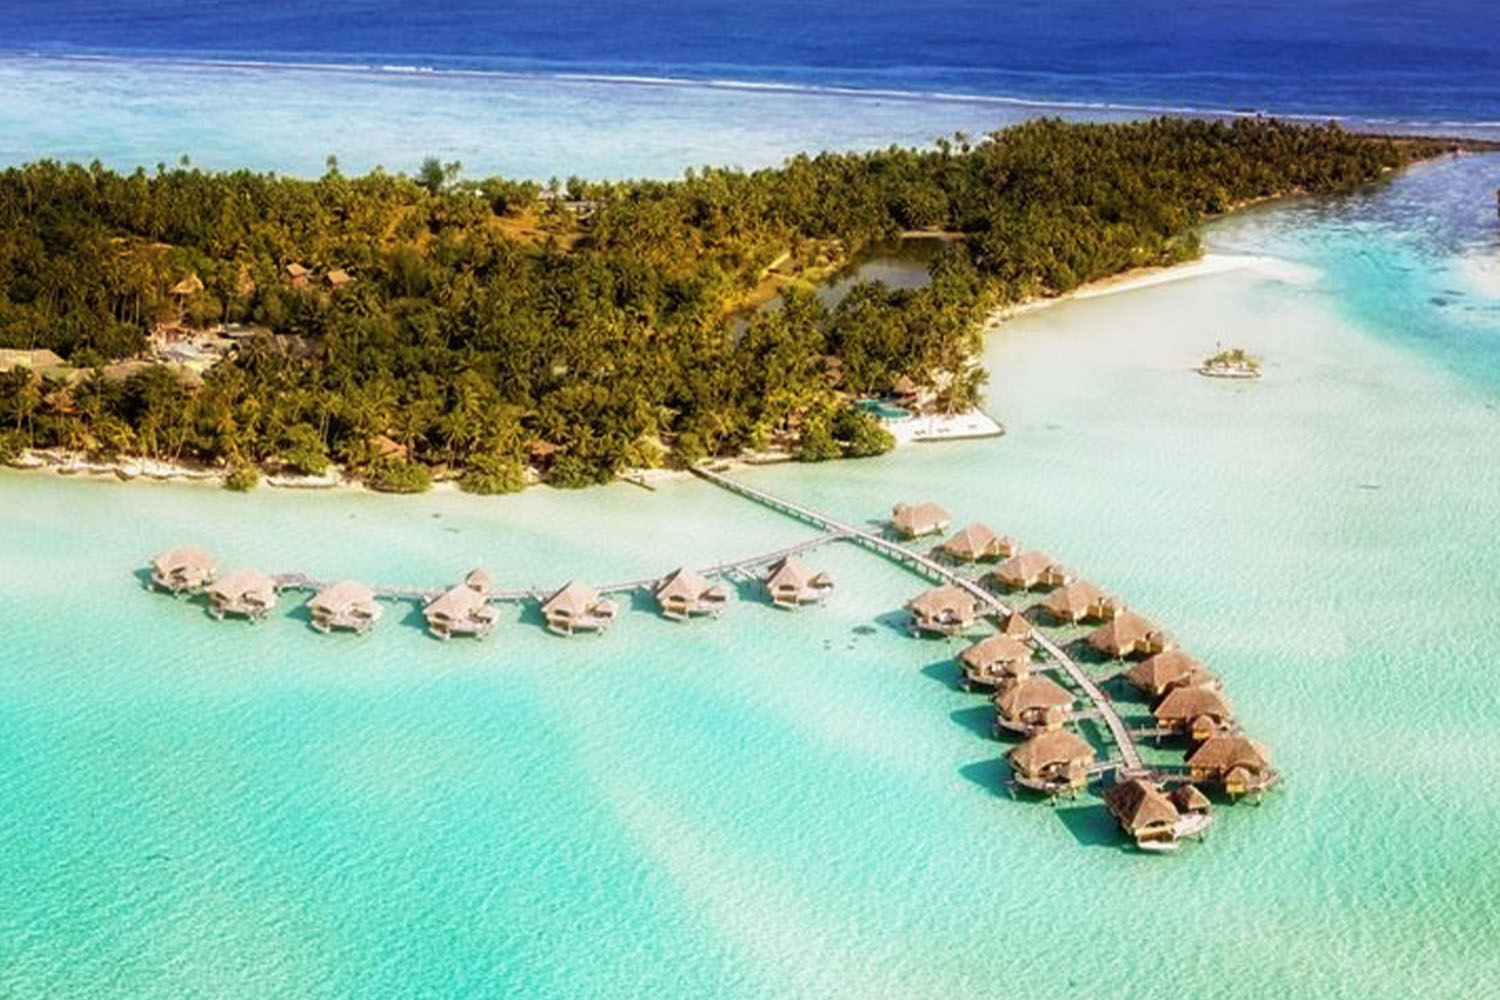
1129	763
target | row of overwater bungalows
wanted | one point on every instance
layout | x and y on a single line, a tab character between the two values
1186	700
465	609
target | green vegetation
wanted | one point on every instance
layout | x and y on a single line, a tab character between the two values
490	324
1233	361
242	478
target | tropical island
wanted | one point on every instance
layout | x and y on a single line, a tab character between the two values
1233	362
496	331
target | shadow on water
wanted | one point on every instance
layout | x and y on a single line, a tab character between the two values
143	577
896	621
945	672
992	774
977	719
413	617
531	614
1091	826
642	600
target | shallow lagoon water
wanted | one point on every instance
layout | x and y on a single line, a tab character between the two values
802	805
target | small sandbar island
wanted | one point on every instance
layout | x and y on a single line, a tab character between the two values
1233	363
1079	683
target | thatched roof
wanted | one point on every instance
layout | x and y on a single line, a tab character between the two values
297	271
996	649
1016	626
1124	633
480	581
977	541
919	519
687	585
573	599
790	573
458	603
1073	601
242	583
1139	804
1165	669
338	278
1026	693
342	595
1188	799
1054	746
1023	570
186	559
1220	753
947	599
1184	703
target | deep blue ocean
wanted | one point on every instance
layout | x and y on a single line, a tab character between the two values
1421	61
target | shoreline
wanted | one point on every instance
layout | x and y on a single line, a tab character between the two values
918	429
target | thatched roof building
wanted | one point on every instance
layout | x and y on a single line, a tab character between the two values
1016	626
248	593
577	607
1190	800
183	570
1057	575
1144	812
1075	602
1022	572
1128	634
1031	704
1053	761
978	542
1198	712
945	610
684	593
338	278
791	584
346	605
1242	766
916	520
990	661
1167	670
464	609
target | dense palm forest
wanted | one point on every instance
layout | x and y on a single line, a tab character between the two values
581	329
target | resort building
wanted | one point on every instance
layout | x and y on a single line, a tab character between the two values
684	593
464	609
247	593
916	520
1128	634
1022	572
1078	601
1032	704
338	278
1016	626
978	543
1190	801
1056	575
790	584
1241	766
1171	669
183	571
1154	819
1052	762
945	610
347	605
1200	713
297	275
990	661
578	608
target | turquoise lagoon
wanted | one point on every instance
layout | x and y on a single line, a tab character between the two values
777	805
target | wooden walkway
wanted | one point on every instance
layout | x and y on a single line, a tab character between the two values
423	595
1130	762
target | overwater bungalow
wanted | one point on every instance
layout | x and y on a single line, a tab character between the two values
1190	801
246	593
1031	704
1240	766
183	571
990	661
1167	670
578	608
1199	713
1016	626
945	610
1078	601
1021	572
1153	819
1052	762
1056	575
1128	634
790	584
347	605
916	520
464	609
979	543
683	594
